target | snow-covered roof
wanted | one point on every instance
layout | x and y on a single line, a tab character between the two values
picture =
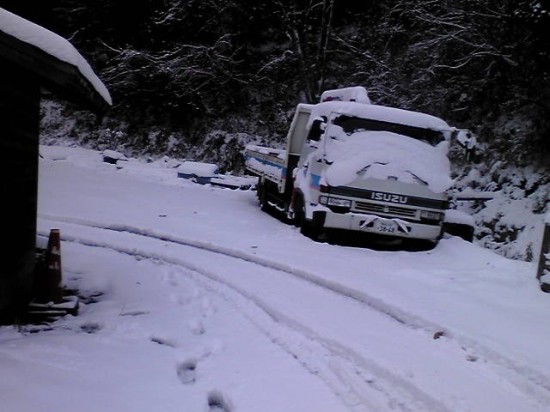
382	113
23	31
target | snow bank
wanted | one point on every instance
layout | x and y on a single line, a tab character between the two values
458	216
198	169
112	154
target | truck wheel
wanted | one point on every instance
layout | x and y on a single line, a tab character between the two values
312	231
298	211
307	227
262	196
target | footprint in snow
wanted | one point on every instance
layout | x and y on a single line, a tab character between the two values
207	307
217	402
91	327
135	313
187	372
172	279
196	326
163	341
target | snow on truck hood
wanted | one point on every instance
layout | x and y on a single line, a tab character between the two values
383	154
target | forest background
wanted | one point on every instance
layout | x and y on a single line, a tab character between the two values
199	79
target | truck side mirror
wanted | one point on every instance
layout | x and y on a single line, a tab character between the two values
317	129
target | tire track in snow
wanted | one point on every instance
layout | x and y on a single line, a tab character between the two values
528	380
354	379
386	309
360	383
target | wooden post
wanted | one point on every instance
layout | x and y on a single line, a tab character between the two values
543	269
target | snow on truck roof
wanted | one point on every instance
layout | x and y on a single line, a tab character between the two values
382	113
347	94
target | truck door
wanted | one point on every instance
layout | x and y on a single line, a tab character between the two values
296	139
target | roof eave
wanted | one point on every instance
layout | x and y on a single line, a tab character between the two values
61	78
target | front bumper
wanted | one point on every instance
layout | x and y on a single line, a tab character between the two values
381	226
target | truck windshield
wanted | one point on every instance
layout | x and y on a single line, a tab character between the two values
351	124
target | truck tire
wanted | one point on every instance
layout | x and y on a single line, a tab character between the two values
308	228
262	196
298	211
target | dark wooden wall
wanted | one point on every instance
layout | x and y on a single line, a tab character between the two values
19	132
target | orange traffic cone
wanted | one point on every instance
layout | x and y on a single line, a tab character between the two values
50	301
53	268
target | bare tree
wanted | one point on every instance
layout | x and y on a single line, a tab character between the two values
191	75
307	25
192	62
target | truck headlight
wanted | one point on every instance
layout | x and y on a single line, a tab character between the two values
429	215
334	201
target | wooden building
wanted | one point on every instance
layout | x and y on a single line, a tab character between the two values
31	58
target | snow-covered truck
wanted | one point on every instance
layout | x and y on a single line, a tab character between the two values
353	165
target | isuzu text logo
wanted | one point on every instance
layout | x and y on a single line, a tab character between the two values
388	197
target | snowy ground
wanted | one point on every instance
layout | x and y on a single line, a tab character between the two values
194	300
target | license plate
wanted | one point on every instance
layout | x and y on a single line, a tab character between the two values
385	226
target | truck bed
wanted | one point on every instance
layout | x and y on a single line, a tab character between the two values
265	161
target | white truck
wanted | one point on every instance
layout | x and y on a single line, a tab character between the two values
355	166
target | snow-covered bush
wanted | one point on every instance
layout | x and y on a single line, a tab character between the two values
511	223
